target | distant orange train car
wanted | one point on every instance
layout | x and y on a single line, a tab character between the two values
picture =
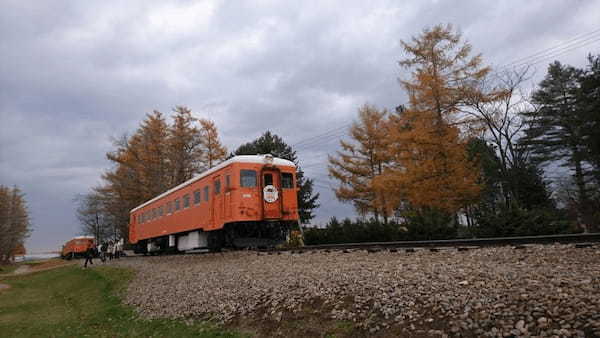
76	247
246	201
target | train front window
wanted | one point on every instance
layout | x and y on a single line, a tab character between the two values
248	178
287	181
268	179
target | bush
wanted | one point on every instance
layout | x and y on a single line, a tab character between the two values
520	222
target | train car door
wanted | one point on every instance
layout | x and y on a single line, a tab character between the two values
227	196
271	193
217	204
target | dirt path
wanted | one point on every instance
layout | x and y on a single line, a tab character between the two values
47	265
22	270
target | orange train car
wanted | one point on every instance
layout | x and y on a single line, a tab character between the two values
246	201
76	247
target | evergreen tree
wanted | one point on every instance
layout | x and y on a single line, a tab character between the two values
269	143
589	105
556	130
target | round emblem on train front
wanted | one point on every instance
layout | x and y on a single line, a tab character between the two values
270	194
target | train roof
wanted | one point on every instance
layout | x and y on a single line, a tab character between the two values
260	159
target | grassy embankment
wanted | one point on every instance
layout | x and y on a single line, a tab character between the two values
73	302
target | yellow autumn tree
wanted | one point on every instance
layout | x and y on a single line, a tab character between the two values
360	161
212	151
184	146
157	157
428	140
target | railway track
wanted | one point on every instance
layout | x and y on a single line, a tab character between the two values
581	240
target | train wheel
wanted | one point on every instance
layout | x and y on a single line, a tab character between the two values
215	240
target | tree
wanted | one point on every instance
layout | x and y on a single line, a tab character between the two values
157	157
184	146
362	160
92	215
431	167
212	151
269	143
15	225
555	131
589	105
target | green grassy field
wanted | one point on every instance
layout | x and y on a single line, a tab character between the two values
74	302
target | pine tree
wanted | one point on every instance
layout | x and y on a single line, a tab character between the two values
588	102
362	160
269	143
556	129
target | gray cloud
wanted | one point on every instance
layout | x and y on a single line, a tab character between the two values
74	74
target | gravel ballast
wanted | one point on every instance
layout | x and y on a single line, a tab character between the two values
551	290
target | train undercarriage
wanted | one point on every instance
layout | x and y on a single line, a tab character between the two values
238	235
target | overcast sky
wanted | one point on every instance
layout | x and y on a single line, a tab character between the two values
75	74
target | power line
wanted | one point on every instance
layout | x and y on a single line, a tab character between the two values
321	135
558	52
573	40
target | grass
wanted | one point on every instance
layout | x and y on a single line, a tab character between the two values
74	302
8	268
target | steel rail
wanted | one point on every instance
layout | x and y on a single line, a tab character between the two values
472	242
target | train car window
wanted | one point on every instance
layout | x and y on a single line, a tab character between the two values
287	181
227	181
217	186
186	201
197	197
169	207
153	214
248	178
268	179
206	193
177	205
160	211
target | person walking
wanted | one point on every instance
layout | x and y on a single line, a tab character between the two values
103	252
110	250
89	255
119	250
114	250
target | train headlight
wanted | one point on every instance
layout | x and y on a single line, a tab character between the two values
269	159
